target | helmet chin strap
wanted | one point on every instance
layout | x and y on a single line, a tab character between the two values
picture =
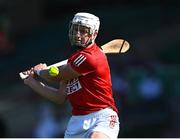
89	41
79	47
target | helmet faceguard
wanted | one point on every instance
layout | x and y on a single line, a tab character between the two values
83	25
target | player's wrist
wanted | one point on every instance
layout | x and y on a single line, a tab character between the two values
37	73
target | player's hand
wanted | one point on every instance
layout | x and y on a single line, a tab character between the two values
40	67
33	71
29	72
29	81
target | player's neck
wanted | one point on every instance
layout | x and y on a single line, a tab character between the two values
90	45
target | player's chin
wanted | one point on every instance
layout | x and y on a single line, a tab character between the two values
77	43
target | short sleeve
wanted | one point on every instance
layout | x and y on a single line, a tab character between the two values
83	63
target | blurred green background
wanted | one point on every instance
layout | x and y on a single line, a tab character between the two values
146	80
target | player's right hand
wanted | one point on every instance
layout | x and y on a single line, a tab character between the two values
29	72
33	72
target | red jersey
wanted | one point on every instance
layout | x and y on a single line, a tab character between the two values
92	90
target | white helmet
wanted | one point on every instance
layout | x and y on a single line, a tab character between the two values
84	19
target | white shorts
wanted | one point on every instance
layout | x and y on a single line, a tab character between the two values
105	121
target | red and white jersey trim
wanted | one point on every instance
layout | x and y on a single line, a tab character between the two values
79	60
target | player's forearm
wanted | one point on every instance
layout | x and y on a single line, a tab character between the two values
55	95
